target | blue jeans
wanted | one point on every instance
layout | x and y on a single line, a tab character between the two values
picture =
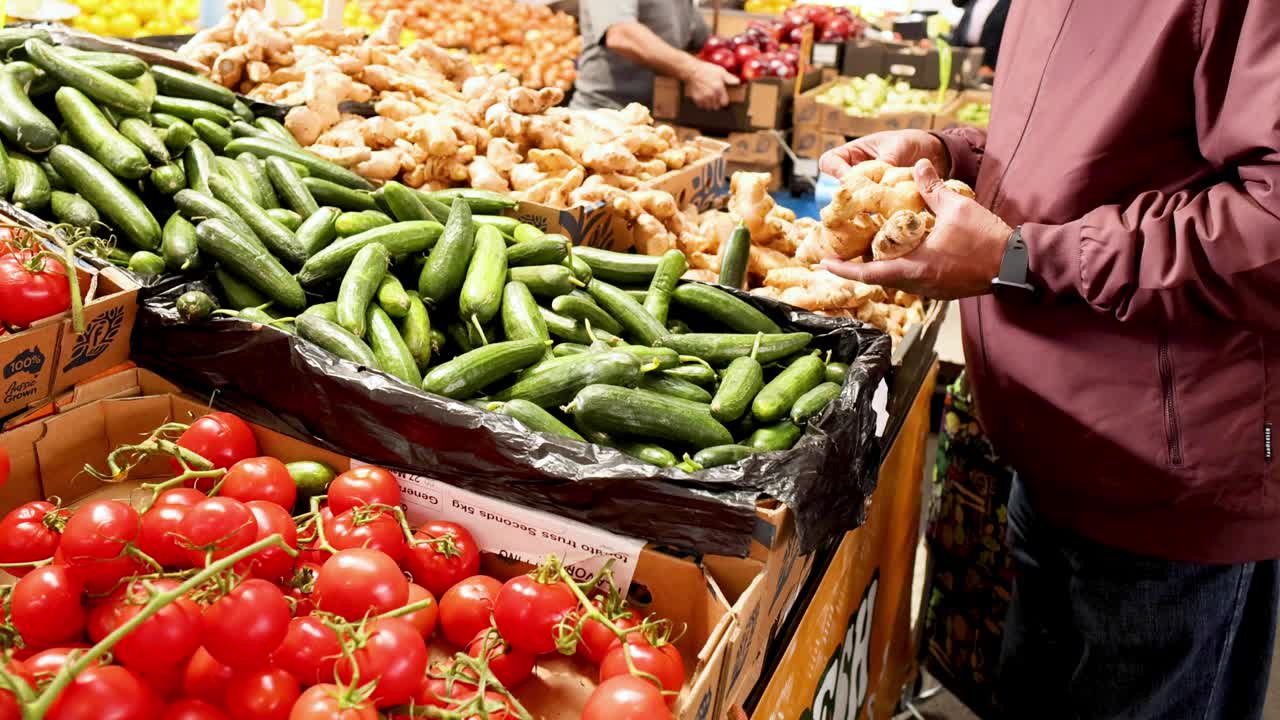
1097	633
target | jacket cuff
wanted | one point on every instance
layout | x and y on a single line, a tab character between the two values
964	146
1054	257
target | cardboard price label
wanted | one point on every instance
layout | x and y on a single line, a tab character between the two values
519	533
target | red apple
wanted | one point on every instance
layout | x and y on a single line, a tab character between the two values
791	56
779	68
795	15
739	40
754	68
795	36
745	53
725	58
837	29
714	42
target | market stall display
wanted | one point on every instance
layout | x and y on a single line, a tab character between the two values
873	95
135	18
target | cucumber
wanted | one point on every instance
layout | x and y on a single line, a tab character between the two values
458	335
525	232
197	206
273	235
140	133
359	285
399	239
416	331
735	258
192	110
620	268
99	85
318	230
675	387
200	164
696	374
545	280
228	169
242	128
837	372
168	179
164	121
195	306
638	295
145	84
354	223
22	125
633	317
14	37
94	134
446	267
238	293
178	244
251	262
814	402
181	84
242	111
146	264
481	294
646	414
574	331
782	436
6	173
333	337
652	357
724	309
557	381
311	477
289	188
739	385
392	298
178	136
277	132
318	167
288	218
720	349
31	190
327	310
469	373
581	270
723	455
657	301
389	347
547	250
482	202
520	317
326	192
648	452
72	209
585	309
505	225
567	349
125	67
439	211
778	396
537	419
402	203
676	327
258	315
263	194
55	180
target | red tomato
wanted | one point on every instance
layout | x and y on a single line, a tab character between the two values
466	609
180	497
373	528
206	677
221	438
260	478
218	525
244	626
164	640
166	684
309	651
267	694
4	464
274	563
597	639
110	692
663	662
45	606
355	582
300	587
324	702
48	662
439	565
101	576
9	709
511	666
193	709
423	620
626	697
365	485
394	654
527	612
160	534
29	532
99	530
28	294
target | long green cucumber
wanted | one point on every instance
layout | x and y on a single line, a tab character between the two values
277	132
238	293
125	67
197	206
187	85
675	387
481	294
720	349
537	419
95	135
781	436
242	128
140	133
275	236
469	373
200	164
6	173
22	125
620	268
482	202
168	179
657	301
72	209
392	298
289	188
814	402
263	194
251	262
288	218
774	401
739	385
416	331
333	337
178	245
399	238
837	372
695	373
547	281
555	382
630	314
572	330
735	258
97	84
318	230
229	169
723	455
31	189
327	192
192	110
359	285
547	250
641	413
585	309
390	348
117	203
354	223
446	267
317	166
722	308
402	203
520	317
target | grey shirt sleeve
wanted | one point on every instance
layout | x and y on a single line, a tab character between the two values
597	16
701	30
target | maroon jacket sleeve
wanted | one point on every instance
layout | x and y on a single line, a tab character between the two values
1208	255
964	147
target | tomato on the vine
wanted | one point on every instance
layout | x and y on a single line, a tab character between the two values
327	702
193	709
446	555
364	485
260	478
394	654
597	639
375	528
527	612
9	709
109	692
661	661
45	606
467	608
221	438
244	626
217	527
626	697
32	288
99	530
309	651
272	563
30	532
425	619
163	641
359	581
300	587
160	531
206	677
49	661
511	666
266	694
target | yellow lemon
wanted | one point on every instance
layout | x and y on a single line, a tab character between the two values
96	24
124	25
146	10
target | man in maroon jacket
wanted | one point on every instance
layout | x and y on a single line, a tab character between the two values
1121	269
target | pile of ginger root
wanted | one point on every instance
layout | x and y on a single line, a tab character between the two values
440	120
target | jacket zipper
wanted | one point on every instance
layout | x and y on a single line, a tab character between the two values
1172	433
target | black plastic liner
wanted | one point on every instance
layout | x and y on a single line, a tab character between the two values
287	384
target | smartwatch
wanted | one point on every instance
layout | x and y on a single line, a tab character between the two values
1015	266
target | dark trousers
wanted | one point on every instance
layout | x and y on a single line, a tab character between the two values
1097	633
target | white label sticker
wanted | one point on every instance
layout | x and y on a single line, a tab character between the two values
880	404
518	533
902	70
806	167
825	54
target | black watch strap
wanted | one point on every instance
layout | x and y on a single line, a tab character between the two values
1015	267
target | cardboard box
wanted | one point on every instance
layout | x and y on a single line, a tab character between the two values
760	104
812	142
50	357
774	169
922	67
763	147
833	118
948	118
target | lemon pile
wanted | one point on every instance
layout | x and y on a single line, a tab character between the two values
133	18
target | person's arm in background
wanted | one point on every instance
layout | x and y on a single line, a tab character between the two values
705	82
701	30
